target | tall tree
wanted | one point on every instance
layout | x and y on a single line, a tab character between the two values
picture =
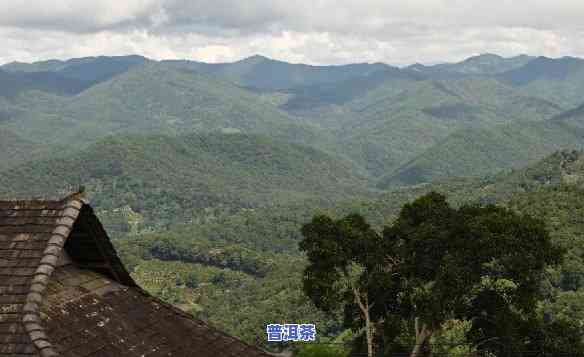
342	256
434	264
452	257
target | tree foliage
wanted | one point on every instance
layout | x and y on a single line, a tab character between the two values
435	263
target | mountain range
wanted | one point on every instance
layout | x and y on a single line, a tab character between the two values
394	126
204	173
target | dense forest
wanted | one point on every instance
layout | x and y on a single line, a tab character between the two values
237	191
220	255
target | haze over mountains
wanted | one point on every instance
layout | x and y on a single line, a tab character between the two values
392	125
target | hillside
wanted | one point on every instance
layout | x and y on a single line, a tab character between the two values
267	238
155	98
484	64
391	125
262	73
204	174
305	100
169	178
479	152
13	84
91	69
14	149
385	119
558	80
256	72
544	68
277	228
38	66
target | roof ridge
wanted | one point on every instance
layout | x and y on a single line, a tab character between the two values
31	311
76	195
19	201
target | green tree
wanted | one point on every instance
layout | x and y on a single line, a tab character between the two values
434	264
191	280
219	279
452	259
340	255
559	338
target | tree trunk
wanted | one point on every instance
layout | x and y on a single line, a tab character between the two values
423	335
368	334
365	308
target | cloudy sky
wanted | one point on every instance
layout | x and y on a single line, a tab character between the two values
307	31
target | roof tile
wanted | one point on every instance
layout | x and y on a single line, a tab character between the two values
50	311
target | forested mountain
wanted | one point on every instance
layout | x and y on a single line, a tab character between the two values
400	126
262	73
543	68
479	152
20	82
256	72
91	69
393	124
205	173
551	189
152	98
485	64
14	149
558	80
168	178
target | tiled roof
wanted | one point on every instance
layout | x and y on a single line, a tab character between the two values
91	307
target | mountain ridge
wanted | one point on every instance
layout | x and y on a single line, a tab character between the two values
481	151
190	172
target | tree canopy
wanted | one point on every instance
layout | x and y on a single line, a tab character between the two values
435	263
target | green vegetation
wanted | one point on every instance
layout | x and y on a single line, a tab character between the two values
205	174
395	124
14	83
479	152
152	99
322	351
385	128
484	64
218	253
87	68
237	302
558	80
13	149
173	179
434	264
264	74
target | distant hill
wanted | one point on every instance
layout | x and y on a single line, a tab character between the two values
90	69
165	176
39	66
485	64
256	72
478	152
388	121
544	68
262	73
13	84
306	99
154	98
399	120
558	80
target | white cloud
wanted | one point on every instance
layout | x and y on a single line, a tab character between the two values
315	31
77	15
